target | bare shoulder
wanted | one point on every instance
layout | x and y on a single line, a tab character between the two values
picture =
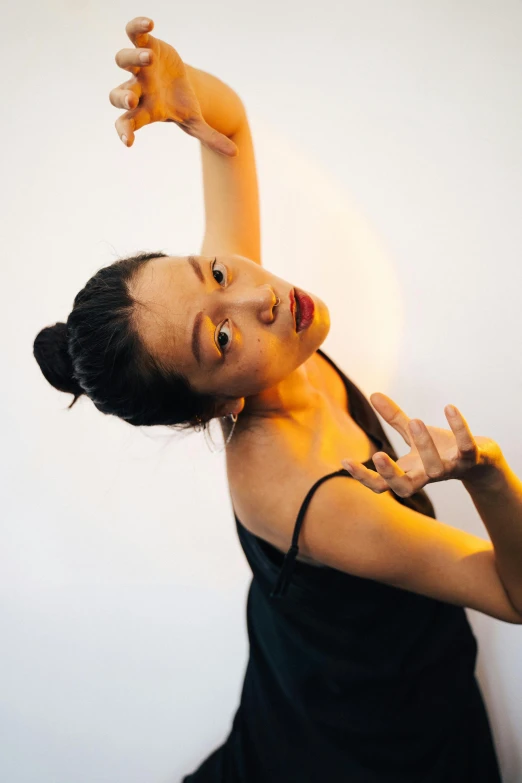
268	483
352	529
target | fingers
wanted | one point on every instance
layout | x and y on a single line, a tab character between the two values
428	452
465	440
137	29
390	412
369	478
134	59
389	476
130	122
127	95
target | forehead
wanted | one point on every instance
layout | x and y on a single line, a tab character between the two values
163	288
157	273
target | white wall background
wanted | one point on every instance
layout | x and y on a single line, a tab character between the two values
390	167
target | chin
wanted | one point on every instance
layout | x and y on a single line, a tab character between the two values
318	331
322	318
326	318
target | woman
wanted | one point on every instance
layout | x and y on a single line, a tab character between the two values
361	664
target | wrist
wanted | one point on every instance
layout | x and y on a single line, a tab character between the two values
221	107
490	479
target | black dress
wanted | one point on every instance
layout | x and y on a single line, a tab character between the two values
349	679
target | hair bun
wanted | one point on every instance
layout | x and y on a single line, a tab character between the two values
50	351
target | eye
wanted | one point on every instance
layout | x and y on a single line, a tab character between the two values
225	341
214	268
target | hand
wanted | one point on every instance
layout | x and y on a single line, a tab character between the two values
160	91
436	454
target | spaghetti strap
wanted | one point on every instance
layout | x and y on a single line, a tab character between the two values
285	574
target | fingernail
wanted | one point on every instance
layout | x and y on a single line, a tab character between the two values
145	23
127	102
415	427
124	139
451	410
379	462
144	57
347	466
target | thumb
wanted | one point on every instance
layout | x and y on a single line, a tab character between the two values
214	140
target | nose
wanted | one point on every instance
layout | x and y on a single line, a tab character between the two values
259	301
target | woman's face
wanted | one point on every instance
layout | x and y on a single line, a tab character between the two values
215	320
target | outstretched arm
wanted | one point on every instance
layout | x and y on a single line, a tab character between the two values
232	219
438	455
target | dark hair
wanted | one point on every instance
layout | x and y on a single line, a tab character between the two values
99	353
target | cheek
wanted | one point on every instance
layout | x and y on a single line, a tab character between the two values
266	355
268	362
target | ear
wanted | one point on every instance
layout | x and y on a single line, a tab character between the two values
231	406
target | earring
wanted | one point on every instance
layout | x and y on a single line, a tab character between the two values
232	416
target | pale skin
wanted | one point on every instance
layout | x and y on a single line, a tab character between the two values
168	90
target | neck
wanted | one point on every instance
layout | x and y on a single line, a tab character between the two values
290	399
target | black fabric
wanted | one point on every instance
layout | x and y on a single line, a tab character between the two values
349	679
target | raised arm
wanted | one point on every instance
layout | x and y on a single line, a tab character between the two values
232	220
165	89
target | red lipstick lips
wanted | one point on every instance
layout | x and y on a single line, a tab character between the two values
304	310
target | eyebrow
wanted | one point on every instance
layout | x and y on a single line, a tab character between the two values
194	263
198	320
